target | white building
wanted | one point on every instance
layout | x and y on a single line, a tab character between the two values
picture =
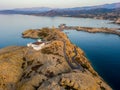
36	45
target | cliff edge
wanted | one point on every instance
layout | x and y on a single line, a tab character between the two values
59	65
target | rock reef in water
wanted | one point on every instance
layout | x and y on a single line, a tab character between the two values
59	65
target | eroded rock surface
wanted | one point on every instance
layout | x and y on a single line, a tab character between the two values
59	65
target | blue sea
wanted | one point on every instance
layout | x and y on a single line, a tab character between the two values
103	50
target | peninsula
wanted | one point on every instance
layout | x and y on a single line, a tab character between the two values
58	65
91	29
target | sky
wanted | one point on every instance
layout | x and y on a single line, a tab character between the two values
9	4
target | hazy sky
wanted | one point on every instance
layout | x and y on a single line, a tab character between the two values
5	4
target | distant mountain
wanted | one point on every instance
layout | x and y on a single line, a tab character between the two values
46	11
59	12
106	6
35	9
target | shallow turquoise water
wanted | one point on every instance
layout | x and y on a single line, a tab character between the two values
103	50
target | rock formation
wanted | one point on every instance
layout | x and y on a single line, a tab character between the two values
59	65
117	21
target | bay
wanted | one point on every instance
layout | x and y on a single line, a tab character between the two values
103	50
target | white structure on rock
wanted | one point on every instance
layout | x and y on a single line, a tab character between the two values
36	45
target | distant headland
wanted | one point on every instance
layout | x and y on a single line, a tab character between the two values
91	29
106	11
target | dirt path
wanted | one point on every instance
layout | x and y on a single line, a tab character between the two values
74	64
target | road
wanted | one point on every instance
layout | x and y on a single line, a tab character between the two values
74	64
78	66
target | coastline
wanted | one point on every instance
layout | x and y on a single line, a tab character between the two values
99	18
113	21
90	29
25	36
54	66
116	21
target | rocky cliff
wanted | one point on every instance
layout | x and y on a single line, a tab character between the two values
59	65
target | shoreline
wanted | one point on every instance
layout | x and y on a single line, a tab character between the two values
111	20
98	18
91	29
72	57
59	64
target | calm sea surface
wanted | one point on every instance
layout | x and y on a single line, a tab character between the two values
103	50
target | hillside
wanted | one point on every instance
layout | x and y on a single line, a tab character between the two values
106	11
59	65
47	9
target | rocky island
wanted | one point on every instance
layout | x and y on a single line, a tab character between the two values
59	65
